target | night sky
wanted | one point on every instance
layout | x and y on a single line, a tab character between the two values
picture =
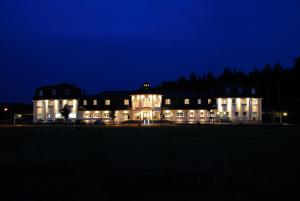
118	44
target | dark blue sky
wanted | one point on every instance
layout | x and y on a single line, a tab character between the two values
119	44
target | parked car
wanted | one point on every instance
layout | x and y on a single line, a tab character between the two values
80	122
99	122
48	122
59	121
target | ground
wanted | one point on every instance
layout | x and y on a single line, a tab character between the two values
149	163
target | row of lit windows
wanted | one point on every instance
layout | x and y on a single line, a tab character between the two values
243	101
106	102
187	101
244	114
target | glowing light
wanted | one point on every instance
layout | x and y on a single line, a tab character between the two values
285	114
5	109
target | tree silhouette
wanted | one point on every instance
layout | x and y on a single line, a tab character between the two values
65	112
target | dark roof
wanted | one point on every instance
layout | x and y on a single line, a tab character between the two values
45	92
236	91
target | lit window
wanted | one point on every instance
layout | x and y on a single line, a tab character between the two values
97	115
41	93
179	114
146	102
67	92
39	103
106	115
95	102
224	101
168	101
254	101
192	114
53	92
209	101
201	114
70	102
125	115
186	101
244	101
126	102
107	102
167	114
84	102
199	101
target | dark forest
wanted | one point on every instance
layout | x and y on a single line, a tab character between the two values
277	85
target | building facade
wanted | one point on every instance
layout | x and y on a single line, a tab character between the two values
229	104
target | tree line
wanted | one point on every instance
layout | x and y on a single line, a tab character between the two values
277	85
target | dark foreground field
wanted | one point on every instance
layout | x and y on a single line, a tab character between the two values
169	163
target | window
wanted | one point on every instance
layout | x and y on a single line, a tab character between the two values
236	114
227	91
167	114
244	114
201	114
227	114
224	101
106	115
67	92
41	93
240	90
199	101
253	91
70	102
146	102
209	101
233	101
125	115
97	115
192	114
254	114
53	92
50	103
107	102
126	102
95	102
186	101
84	102
60	102
87	115
39	103
254	101
179	114
244	101
168	101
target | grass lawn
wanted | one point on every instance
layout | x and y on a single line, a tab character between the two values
167	163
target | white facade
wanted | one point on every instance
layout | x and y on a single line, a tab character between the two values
44	110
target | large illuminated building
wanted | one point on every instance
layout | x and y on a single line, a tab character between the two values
227	104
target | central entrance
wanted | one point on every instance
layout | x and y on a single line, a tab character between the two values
146	114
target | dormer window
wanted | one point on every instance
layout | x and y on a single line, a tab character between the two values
107	102
41	93
95	102
186	101
199	101
227	91
253	91
67	92
53	92
126	102
240	90
168	101
84	102
209	101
